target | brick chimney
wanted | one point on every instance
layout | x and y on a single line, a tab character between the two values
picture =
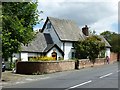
85	30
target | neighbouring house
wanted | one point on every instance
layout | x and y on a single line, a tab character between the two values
107	45
56	39
86	32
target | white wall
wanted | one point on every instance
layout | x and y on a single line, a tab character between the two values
46	30
33	54
49	54
107	52
24	56
17	55
68	50
54	36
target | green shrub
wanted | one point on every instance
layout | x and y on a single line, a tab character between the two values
42	58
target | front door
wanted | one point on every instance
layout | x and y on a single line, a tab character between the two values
54	55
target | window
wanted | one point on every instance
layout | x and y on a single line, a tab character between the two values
54	55
48	25
73	55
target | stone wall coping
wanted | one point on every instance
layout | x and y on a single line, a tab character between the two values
60	61
48	61
88	59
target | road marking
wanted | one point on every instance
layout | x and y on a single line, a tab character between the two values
118	71
106	75
79	85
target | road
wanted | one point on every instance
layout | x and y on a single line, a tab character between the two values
105	76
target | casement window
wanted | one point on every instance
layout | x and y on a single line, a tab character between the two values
73	55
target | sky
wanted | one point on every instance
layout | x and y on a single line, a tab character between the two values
99	15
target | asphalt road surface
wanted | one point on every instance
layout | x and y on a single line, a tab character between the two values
106	76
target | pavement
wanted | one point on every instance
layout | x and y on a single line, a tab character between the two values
9	78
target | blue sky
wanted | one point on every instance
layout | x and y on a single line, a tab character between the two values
115	27
100	15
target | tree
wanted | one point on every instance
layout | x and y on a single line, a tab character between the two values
107	35
90	47
18	19
0	41
114	40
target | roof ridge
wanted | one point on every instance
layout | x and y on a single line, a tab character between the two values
60	18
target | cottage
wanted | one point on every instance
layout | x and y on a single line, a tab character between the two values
56	39
107	45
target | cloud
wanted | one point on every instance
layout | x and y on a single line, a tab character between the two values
107	24
100	14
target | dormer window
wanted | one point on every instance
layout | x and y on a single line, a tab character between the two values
48	25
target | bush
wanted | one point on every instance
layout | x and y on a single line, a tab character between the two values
41	58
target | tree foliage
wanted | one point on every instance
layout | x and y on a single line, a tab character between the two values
90	47
114	40
18	19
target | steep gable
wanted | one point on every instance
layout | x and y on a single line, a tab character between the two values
66	30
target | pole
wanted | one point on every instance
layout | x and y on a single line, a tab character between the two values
0	68
0	40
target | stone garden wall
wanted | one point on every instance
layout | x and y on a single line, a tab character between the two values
44	67
24	67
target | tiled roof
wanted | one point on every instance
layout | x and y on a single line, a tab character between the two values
39	44
105	41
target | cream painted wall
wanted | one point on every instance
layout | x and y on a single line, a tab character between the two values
33	54
68	50
17	55
58	53
24	56
54	36
107	53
